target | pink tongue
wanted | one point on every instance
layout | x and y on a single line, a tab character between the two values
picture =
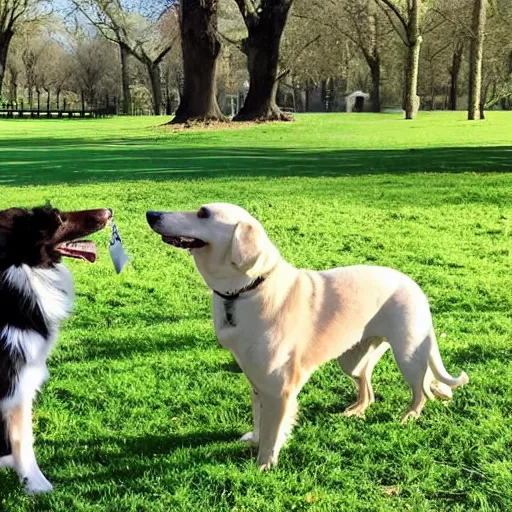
83	249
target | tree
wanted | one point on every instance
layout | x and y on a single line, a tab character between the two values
265	21
32	50
14	13
457	13
406	20
200	46
136	35
172	73
360	23
476	51
14	69
94	58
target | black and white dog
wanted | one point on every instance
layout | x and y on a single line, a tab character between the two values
36	294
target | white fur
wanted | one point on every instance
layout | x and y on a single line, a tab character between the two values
296	320
52	289
6	462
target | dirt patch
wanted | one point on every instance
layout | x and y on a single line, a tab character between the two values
207	126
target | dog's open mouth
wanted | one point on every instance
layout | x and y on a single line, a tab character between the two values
184	242
80	249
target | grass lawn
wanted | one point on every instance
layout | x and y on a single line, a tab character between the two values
144	409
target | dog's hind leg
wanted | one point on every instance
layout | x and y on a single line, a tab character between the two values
359	363
22	440
411	357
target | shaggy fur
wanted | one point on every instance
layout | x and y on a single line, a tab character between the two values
36	293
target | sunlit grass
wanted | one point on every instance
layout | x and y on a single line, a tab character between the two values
144	408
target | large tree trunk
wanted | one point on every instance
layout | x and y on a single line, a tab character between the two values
5	41
262	49
156	87
200	48
476	51
125	80
375	72
454	75
412	100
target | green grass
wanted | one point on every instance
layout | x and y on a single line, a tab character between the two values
144	408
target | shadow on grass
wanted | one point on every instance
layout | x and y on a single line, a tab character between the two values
481	354
48	162
127	347
125	461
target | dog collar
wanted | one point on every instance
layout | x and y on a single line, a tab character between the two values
249	288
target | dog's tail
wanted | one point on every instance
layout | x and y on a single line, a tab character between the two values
436	365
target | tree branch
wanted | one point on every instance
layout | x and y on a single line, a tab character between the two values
392	22
396	12
164	52
455	22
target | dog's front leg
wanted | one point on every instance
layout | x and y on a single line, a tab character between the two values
22	441
277	417
254	436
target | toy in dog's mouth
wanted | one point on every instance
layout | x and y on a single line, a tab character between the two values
184	242
79	249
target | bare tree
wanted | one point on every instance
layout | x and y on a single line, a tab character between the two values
405	17
172	73
136	35
94	60
32	50
476	51
360	22
14	69
12	14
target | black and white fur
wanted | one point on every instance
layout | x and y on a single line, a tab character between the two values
34	303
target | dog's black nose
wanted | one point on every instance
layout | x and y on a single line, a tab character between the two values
153	218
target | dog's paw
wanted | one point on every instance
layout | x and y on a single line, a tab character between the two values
250	438
441	390
267	466
410	415
6	462
35	482
356	409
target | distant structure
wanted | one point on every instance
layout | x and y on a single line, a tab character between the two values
354	102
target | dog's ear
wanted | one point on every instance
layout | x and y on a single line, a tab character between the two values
7	219
6	223
245	246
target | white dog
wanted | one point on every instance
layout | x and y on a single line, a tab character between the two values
281	323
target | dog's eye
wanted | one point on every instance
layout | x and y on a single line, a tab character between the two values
203	213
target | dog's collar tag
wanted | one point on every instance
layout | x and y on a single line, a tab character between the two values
116	249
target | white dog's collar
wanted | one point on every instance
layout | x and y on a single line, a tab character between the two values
249	288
